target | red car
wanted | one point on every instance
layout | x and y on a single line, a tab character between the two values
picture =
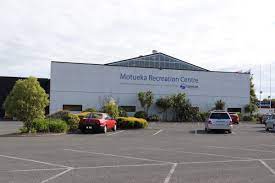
235	117
101	122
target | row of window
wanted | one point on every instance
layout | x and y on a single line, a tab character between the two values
156	64
131	108
79	108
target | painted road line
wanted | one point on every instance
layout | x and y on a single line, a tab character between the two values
267	166
35	161
35	170
243	149
157	132
115	133
196	153
210	162
121	166
58	175
171	172
114	155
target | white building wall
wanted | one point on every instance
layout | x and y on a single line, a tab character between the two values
89	85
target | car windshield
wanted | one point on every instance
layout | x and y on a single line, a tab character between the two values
219	116
95	115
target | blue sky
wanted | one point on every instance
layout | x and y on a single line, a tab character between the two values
226	35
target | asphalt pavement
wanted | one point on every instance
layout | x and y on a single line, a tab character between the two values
164	152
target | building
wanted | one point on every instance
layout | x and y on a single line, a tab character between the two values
6	85
76	86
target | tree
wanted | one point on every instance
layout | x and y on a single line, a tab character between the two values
146	99
252	107
111	108
219	105
27	101
178	101
253	97
164	103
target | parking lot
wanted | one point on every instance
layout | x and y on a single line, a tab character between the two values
165	152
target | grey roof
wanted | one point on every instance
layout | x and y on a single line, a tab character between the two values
157	60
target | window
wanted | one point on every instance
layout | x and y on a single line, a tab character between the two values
129	108
96	116
219	116
234	110
72	107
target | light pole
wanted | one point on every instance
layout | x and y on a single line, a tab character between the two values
270	87
261	87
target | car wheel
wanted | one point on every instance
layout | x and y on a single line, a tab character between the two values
104	129
229	131
83	129
266	129
206	130
114	128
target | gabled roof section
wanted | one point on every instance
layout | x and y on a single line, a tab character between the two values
157	60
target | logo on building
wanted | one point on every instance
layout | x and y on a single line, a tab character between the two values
182	86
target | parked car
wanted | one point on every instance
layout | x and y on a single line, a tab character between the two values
270	122
235	117
265	117
95	121
219	120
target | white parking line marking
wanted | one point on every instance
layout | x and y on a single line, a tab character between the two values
35	161
243	149
167	179
35	170
120	166
115	133
225	161
58	175
267	166
199	153
267	145
157	132
119	156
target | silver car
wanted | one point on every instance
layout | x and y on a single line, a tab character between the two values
219	120
270	122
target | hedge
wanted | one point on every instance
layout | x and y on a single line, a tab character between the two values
131	123
141	114
83	115
72	120
47	126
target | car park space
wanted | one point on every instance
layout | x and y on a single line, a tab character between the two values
164	152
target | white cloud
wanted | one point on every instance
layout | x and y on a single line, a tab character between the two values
215	34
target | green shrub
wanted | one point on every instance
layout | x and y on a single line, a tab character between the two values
46	126
41	125
90	110
122	112
72	122
59	115
57	126
154	117
111	108
247	118
204	116
131	123
33	130
23	130
83	115
141	114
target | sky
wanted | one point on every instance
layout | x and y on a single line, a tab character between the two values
219	35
